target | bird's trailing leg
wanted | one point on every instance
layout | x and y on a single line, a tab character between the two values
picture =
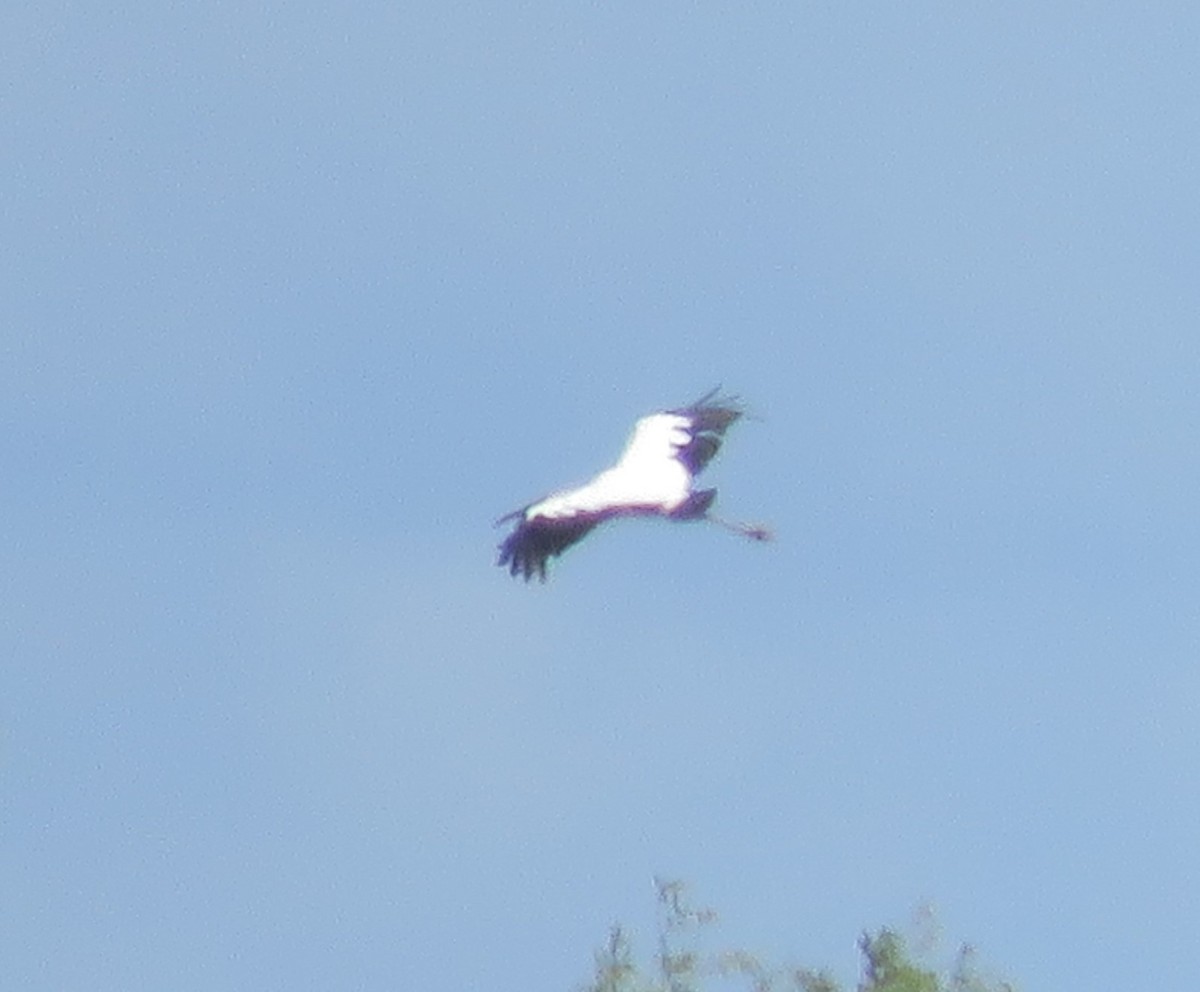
756	532
696	506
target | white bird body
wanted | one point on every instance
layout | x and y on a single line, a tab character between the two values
647	474
652	478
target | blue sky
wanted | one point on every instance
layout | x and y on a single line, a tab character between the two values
296	300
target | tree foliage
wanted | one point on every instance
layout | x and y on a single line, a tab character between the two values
679	966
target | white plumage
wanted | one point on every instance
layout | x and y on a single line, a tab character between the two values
652	478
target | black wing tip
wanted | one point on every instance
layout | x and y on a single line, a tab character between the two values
521	555
713	400
529	548
713	412
710	417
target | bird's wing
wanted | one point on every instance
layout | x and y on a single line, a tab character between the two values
537	539
707	420
690	435
655	440
667	449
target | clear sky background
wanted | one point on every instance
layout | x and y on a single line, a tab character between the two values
297	299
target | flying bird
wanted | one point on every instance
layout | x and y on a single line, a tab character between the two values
653	478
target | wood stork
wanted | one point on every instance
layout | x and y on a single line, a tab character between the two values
652	478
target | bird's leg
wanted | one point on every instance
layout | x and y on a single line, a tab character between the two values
756	532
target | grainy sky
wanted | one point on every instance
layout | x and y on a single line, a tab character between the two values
296	299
